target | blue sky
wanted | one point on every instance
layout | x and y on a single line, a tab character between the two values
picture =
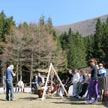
61	11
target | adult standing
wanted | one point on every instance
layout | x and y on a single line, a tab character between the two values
93	87
9	83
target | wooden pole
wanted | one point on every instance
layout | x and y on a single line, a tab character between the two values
17	73
46	82
51	80
60	81
51	68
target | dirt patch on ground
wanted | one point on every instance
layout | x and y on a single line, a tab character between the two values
26	100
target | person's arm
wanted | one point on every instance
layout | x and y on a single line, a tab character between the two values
89	72
82	81
71	80
66	81
13	74
41	79
88	80
18	83
78	78
104	74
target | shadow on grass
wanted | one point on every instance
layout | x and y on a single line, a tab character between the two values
72	100
29	98
105	104
73	103
53	98
76	101
2	100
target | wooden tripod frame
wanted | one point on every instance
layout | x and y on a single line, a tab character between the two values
51	69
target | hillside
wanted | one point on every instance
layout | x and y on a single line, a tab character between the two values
85	28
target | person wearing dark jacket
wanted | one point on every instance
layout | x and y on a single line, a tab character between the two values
69	80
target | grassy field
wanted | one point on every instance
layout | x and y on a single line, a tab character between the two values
26	100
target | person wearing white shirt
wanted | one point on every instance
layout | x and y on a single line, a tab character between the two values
76	79
20	85
81	82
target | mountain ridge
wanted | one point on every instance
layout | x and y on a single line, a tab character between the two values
85	28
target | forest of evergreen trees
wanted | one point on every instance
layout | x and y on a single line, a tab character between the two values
80	49
37	45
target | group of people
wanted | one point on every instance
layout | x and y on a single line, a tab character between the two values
86	83
82	81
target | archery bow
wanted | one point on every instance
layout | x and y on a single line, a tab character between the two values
19	68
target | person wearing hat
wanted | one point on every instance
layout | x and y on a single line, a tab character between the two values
102	70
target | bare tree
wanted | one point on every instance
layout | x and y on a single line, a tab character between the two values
35	47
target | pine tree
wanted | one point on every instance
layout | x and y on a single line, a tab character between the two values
89	45
5	25
99	53
73	44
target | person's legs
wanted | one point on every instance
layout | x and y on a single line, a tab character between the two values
19	88
77	89
96	90
7	91
84	89
91	88
11	90
91	91
80	89
61	92
67	87
74	88
86	95
82	92
4	89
